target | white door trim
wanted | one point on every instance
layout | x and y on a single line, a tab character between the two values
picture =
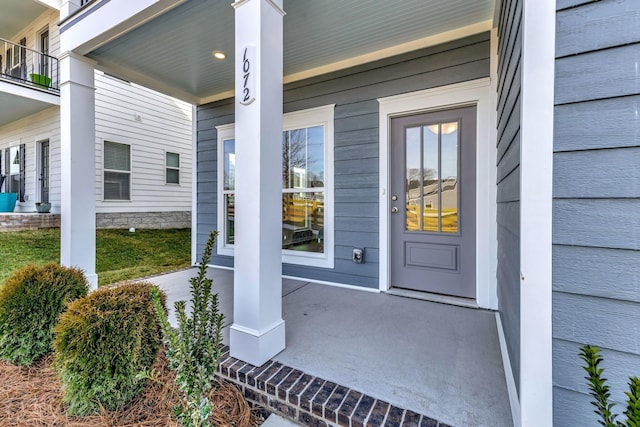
478	93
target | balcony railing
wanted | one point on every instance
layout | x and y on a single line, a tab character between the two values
19	64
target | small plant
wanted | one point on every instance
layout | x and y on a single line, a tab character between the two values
31	301
194	349
102	344
600	391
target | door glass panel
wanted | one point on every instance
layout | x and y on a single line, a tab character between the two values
430	178
449	178
413	178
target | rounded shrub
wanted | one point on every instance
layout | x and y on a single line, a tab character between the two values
102	343
31	301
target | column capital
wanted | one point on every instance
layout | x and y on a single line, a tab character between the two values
77	69
72	55
276	4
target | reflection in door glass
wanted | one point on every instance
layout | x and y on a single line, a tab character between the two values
413	177
431	178
449	178
430	174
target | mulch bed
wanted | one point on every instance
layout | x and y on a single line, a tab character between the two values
32	396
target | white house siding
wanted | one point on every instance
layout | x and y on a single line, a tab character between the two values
596	207
152	123
30	131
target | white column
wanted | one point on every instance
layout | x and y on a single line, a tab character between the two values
68	7
257	333
78	162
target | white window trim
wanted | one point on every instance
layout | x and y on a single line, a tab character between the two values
15	48
104	169
478	93
179	169
295	120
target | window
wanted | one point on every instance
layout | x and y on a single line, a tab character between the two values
117	171
172	170
15	56
15	171
307	187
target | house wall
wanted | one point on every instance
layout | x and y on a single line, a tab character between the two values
596	206
508	177
30	131
152	123
356	168
49	20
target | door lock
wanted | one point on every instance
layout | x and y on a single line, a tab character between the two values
394	197
394	210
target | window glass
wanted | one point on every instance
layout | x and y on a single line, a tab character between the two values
303	195
117	168
172	171
173	160
116	186
307	181
116	156
14	158
229	164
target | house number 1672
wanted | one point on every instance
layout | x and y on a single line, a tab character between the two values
247	95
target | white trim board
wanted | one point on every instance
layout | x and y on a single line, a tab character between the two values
478	93
512	390
536	197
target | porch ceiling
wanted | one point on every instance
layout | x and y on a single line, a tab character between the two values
17	14
15	106
173	52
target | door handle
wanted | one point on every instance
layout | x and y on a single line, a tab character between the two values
394	210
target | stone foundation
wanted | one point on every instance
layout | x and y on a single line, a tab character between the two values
28	221
176	219
34	221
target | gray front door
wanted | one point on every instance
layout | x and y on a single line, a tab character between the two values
433	202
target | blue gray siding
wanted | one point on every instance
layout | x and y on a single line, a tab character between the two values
508	176
356	151
596	208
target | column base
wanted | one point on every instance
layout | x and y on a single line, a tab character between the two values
93	281
254	347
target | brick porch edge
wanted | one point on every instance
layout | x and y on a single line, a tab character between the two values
312	401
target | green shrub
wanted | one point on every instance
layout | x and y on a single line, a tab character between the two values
102	343
31	301
194	349
599	390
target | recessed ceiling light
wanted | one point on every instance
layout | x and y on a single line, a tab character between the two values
218	54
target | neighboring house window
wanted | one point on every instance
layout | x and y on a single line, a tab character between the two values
15	171
307	187
172	169
117	171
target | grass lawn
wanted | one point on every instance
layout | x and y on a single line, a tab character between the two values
120	255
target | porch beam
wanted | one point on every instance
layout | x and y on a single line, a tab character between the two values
78	162
258	332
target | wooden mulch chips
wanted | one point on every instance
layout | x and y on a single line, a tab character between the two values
32	396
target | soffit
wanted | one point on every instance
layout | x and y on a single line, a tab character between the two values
175	49
17	14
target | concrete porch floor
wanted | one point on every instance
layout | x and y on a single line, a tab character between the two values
439	360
